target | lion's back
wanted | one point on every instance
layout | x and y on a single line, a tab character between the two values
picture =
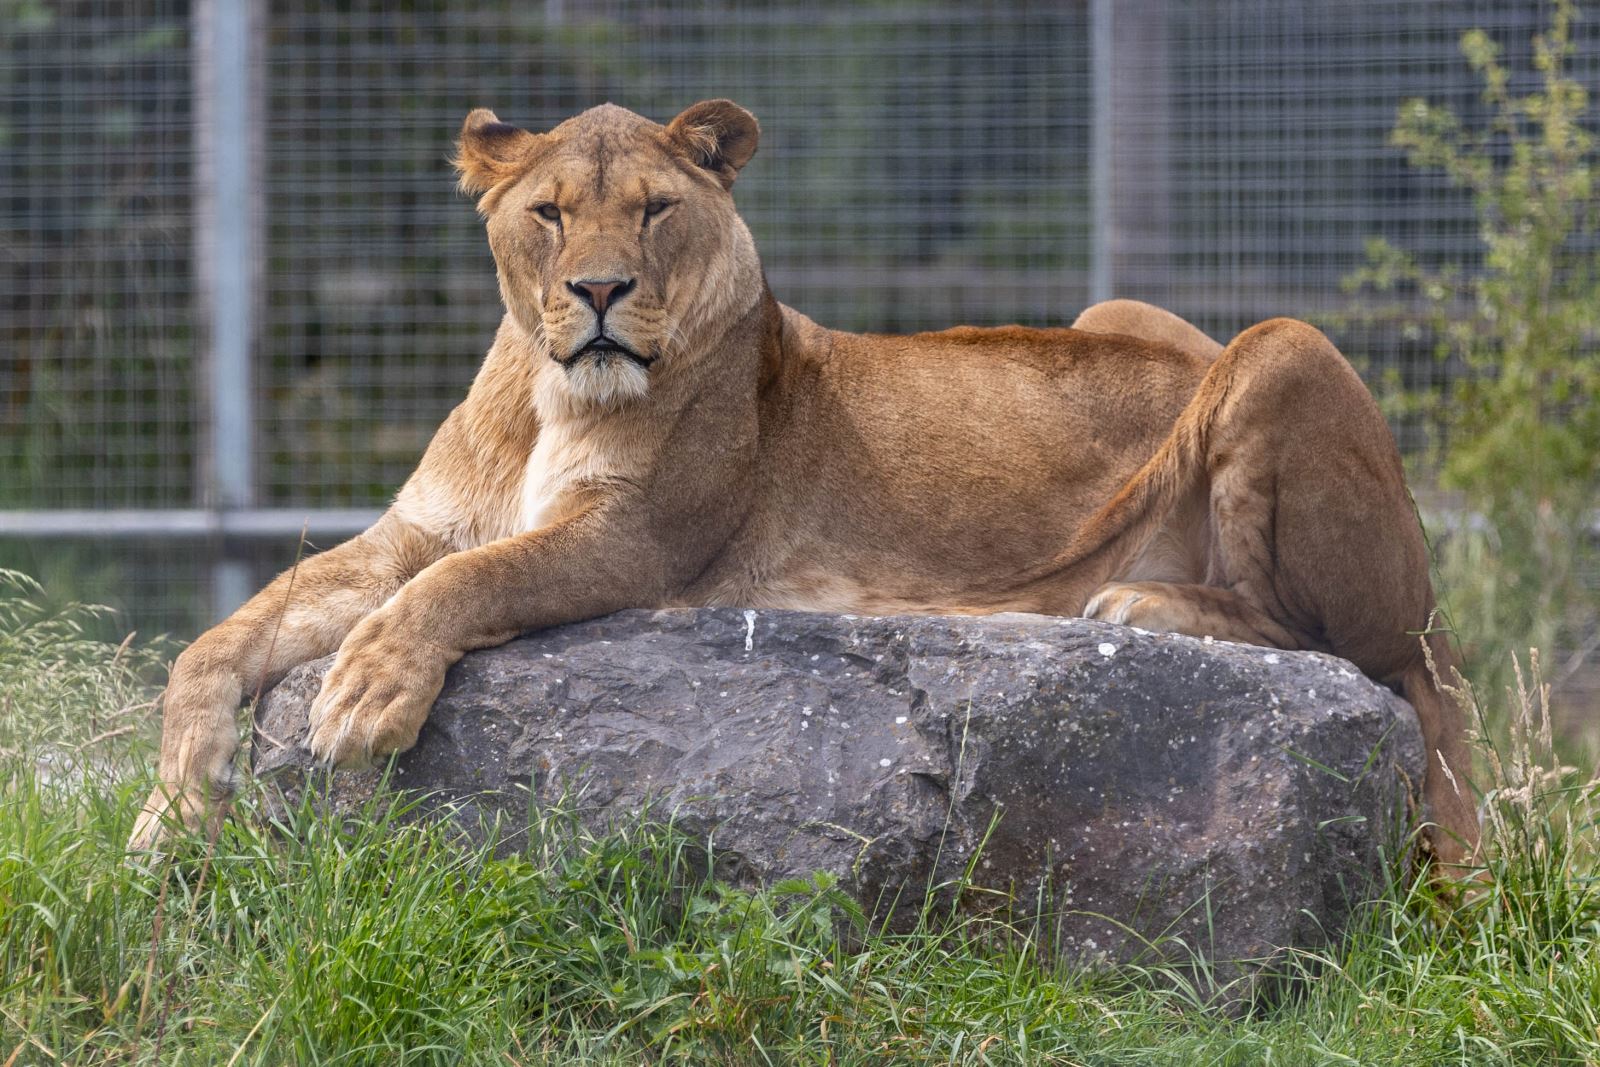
934	462
1084	390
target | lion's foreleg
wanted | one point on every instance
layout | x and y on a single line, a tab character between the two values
302	614
391	667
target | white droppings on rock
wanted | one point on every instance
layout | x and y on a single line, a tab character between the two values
885	762
899	720
1273	657
1107	649
749	630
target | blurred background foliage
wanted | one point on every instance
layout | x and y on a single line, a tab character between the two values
1514	432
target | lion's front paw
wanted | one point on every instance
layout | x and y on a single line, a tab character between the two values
377	696
173	811
197	772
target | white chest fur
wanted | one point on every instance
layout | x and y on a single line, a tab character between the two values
562	460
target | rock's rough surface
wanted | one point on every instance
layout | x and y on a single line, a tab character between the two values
1157	794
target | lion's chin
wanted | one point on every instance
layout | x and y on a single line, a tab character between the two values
605	379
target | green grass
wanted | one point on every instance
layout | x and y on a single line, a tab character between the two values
390	942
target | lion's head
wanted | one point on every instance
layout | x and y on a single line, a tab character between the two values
616	239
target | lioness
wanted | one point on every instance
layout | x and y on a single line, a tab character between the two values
652	428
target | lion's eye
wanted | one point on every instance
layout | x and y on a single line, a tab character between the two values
652	208
549	212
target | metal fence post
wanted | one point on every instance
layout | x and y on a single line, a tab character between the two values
1131	149
1102	46
227	262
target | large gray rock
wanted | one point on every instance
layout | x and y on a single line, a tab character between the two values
1156	794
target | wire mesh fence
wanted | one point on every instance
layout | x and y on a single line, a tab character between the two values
922	164
97	347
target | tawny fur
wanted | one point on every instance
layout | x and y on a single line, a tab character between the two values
750	457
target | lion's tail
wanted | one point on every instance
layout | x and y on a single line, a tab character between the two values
1127	522
1452	807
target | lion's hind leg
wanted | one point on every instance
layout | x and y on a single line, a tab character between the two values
1135	318
1196	610
1312	539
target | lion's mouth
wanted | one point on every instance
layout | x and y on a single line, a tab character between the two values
603	348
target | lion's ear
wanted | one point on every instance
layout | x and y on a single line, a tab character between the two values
719	135
489	151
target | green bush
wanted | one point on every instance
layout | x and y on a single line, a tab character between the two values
1516	431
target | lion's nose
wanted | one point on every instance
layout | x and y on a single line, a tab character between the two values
600	294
